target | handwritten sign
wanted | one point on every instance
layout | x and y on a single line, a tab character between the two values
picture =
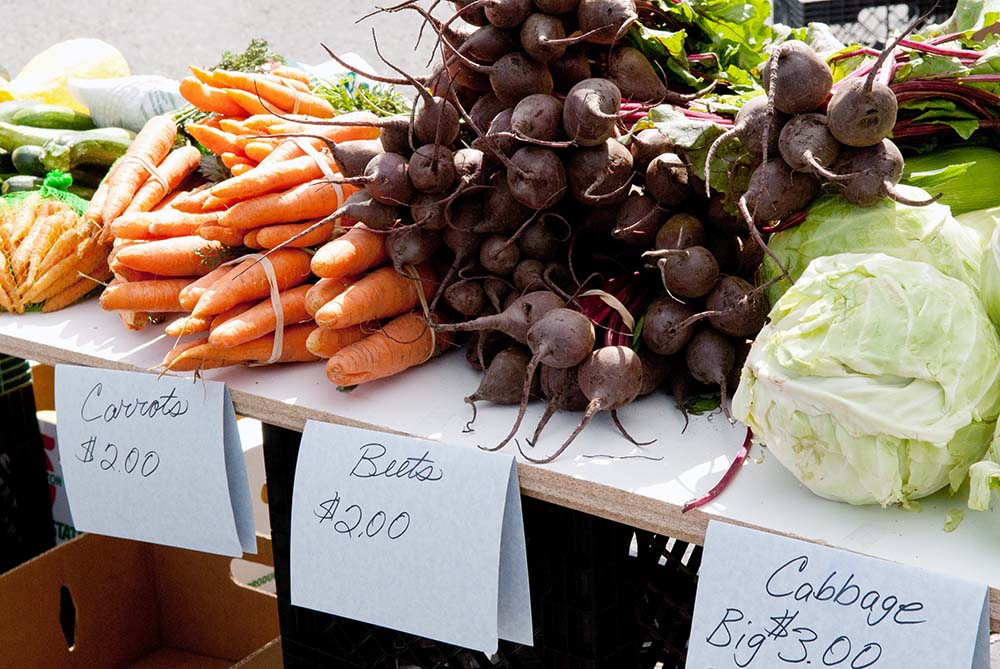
769	601
155	459
410	534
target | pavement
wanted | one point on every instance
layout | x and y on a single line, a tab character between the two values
159	37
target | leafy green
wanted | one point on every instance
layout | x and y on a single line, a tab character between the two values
877	380
348	94
250	59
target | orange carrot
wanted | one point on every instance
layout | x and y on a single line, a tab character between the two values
259	123
250	240
258	150
158	224
273	177
159	295
174	169
216	141
354	252
288	72
235	126
179	256
254	104
82	287
151	146
204	76
89	255
312	199
209	98
381	294
273	235
325	290
191	293
218	233
289	149
225	316
248	281
215	204
230	159
242	168
325	343
274	95
205	356
404	342
187	325
260	319
192	201
93	213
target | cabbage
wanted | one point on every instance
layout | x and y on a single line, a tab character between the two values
990	274
834	225
984	477
877	380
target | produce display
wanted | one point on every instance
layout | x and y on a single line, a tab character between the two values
600	200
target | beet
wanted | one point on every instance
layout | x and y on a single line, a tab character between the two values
570	69
536	177
466	297
497	256
796	78
410	245
432	168
609	19
689	272
561	388
556	6
775	191
352	157
600	174
736	308
753	127
668	179
528	275
538	117
485	110
502	380
501	211
515	320
386	179
655	370
710	357
507	13
661	326
807	145
638	220
680	231
545	237
648	144
634	75
590	111
871	173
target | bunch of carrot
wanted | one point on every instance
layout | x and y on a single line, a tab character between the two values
370	326
48	255
247	105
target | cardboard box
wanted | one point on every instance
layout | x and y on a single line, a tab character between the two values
102	602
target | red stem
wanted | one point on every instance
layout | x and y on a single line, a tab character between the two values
926	47
726	479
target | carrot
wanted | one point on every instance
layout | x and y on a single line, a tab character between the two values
8	289
248	281
217	233
235	126
230	159
135	320
186	325
381	294
225	316
272	235
287	72
275	95
404	342
259	123
355	251
254	104
176	351
325	343
250	240
258	150
174	169
209	98
260	319
309	200
161	223
270	178
158	295
204	76
332	132
88	257
325	290
36	243
216	141
151	145
79	289
192	201
93	213
287	150
216	204
241	168
178	256
190	295
206	356
27	213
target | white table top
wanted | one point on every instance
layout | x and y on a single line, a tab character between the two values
645	492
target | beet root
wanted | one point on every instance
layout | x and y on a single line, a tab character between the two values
862	113
634	75
502	380
663	328
562	389
668	179
680	231
515	320
796	78
710	357
610	378
608	19
536	177
871	173
736	308
689	272
807	145
638	220
600	174
432	168
590	111
410	245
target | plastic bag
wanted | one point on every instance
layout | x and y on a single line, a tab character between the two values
127	102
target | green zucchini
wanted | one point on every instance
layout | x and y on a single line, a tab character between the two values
27	159
19	183
52	116
89	176
13	136
11	107
83	148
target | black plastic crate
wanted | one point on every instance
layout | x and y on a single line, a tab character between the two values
26	528
584	595
860	21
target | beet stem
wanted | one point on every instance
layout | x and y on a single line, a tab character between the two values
756	236
592	409
719	488
621	428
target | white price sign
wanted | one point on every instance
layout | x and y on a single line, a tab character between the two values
773	602
154	459
410	534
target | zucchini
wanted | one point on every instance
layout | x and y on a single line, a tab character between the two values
11	107
82	191
27	159
19	183
6	164
52	116
88	176
13	136
91	147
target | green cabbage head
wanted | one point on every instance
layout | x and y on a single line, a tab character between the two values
929	234
989	280
877	380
